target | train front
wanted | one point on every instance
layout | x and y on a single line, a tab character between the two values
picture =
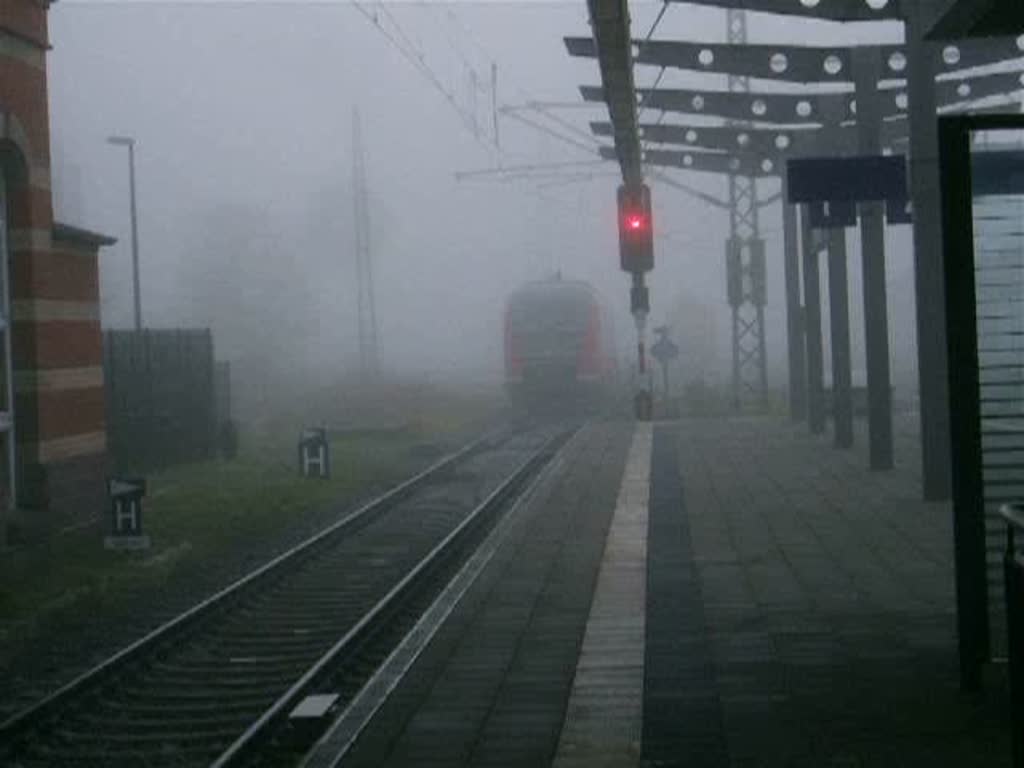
555	350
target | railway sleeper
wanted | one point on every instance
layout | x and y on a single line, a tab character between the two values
296	645
170	738
251	683
82	756
234	664
170	720
143	697
195	707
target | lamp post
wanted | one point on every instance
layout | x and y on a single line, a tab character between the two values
126	141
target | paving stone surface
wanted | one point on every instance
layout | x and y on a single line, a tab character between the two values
604	718
493	687
682	711
827	604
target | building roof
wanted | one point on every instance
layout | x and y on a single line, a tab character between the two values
68	233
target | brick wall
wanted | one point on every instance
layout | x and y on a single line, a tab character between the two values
56	339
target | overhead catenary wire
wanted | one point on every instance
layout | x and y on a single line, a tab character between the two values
591	150
661	73
577	138
411	52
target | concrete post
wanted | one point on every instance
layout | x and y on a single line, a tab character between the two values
794	319
929	286
812	328
839	314
867	70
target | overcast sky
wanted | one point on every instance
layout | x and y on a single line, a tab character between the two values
243	115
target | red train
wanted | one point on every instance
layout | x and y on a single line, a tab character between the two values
559	345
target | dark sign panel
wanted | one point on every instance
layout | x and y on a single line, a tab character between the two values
126	513
831	215
664	350
847	179
997	172
899	212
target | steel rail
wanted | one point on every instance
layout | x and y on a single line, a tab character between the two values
378	616
328	751
26	718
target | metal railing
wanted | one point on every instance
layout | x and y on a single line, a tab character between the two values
1013	575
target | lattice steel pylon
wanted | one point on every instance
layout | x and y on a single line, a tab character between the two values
745	263
367	307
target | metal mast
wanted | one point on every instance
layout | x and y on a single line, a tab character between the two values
364	263
746	261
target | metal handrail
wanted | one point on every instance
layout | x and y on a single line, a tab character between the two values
1013	575
1013	514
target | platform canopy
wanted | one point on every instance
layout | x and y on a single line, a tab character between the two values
830	10
775	143
801	64
775	125
609	21
980	18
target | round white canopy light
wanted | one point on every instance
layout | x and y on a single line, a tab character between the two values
779	63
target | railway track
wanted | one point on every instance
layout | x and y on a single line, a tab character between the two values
217	684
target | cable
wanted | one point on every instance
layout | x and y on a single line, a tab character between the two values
703	196
661	73
555	134
568	126
414	56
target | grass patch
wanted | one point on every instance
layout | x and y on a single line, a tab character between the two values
195	514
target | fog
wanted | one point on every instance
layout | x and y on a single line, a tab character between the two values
243	117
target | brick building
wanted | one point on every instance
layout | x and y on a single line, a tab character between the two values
53	439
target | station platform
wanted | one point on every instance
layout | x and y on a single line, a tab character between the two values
801	609
705	593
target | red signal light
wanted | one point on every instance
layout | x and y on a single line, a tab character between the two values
636	247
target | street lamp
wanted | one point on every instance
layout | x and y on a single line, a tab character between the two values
126	141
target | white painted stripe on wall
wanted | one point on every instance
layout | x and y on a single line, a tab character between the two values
14	47
604	720
29	240
58	379
41	310
61	448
